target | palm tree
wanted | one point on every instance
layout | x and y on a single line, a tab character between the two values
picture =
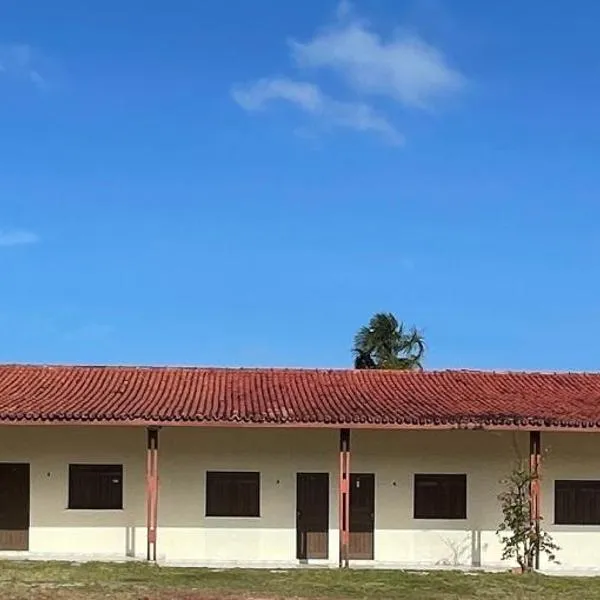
385	344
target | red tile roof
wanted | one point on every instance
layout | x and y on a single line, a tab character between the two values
301	397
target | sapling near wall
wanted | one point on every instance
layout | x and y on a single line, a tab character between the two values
523	539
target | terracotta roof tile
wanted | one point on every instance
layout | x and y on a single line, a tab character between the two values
169	395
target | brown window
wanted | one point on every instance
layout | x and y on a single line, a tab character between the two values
97	487
440	497
577	502
232	494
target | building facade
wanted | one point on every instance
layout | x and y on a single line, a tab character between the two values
250	493
269	497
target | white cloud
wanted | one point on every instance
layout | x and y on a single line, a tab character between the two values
404	68
21	61
18	237
256	95
309	98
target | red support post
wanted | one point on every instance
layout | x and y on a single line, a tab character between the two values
344	498
535	460
151	492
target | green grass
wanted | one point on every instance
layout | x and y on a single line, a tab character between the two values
138	581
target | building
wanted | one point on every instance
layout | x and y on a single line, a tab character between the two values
267	467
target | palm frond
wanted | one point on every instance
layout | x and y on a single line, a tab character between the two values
363	340
385	344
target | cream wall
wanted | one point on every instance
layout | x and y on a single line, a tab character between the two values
54	528
185	454
186	535
396	456
570	456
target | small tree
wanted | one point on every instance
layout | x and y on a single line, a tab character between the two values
519	533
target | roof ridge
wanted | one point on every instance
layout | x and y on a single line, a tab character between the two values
275	369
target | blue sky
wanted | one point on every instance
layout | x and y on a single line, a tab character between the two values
245	183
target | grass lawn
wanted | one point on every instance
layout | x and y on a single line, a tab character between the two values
138	581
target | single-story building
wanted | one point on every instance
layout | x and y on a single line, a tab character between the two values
277	467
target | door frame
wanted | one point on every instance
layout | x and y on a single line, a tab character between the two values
26	494
326	509
373	478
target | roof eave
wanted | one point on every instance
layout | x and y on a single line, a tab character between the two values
579	427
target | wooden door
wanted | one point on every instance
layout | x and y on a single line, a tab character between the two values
312	515
14	506
362	515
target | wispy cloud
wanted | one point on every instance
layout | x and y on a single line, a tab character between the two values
22	61
18	237
309	98
405	69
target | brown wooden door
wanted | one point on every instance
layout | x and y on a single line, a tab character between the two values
362	515
14	506
312	515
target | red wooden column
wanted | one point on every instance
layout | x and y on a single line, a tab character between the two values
344	497
151	492
535	460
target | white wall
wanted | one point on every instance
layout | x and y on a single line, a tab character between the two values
396	456
185	454
53	527
570	456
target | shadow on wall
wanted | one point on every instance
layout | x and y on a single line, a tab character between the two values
466	551
130	542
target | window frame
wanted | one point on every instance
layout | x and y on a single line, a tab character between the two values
227	508
103	471
577	487
452	482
